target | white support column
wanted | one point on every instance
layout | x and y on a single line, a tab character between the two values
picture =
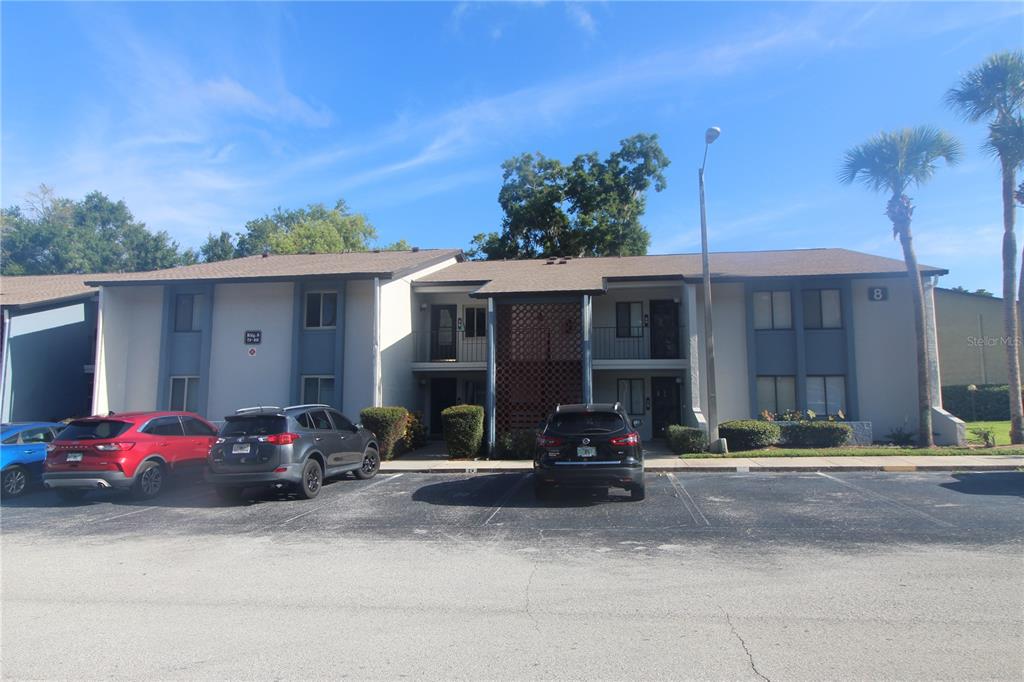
378	397
696	415
491	402
99	365
5	374
932	342
588	363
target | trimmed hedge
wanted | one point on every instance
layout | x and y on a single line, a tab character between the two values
516	444
816	434
388	424
991	402
415	432
685	439
750	434
463	427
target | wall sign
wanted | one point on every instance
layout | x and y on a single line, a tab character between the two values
252	352
253	337
878	293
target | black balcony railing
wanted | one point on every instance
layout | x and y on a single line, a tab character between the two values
449	345
638	343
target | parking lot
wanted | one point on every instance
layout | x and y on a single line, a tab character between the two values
723	576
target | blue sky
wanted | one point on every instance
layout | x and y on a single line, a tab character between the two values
201	116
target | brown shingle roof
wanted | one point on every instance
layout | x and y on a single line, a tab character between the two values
34	289
583	275
385	264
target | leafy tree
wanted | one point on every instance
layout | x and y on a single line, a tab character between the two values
976	292
218	247
58	235
400	245
892	162
995	91
588	208
273	232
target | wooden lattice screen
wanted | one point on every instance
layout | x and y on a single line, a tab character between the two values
539	361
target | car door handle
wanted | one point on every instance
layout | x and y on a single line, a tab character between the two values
318	438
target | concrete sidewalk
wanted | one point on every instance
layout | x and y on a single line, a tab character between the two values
436	463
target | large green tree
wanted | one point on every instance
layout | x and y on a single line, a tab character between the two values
891	162
55	235
994	91
314	229
591	207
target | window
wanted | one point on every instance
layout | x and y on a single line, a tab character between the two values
826	395
341	422
822	309
186	312
94	429
185	394
320	420
629	320
318	390
321	309
631	395
776	394
772	310
194	427
40	435
253	425
476	323
164	426
585	422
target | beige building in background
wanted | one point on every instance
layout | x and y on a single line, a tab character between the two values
972	343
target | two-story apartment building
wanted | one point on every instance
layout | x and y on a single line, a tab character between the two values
829	330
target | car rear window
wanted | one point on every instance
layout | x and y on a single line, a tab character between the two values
94	429
586	422
254	426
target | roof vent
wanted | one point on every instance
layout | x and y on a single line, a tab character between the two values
563	261
415	249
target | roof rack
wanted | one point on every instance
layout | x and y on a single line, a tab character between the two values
558	407
617	406
296	407
257	408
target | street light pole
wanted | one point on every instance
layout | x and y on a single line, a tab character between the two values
714	444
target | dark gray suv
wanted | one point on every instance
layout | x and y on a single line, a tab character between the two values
296	447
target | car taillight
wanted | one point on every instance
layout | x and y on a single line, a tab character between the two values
548	441
281	438
113	447
629	439
221	440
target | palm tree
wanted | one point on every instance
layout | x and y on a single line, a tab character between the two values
995	91
891	163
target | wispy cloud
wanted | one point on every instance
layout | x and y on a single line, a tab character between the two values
582	17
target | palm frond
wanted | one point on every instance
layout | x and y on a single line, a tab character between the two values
1006	141
891	161
995	88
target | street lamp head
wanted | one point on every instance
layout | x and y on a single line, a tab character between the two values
711	134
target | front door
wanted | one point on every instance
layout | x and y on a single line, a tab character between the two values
443	394
665	330
664	404
442	332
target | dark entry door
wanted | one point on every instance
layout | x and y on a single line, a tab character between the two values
442	332
664	404
664	330
443	394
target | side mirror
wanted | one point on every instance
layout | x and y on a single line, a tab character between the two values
357	426
637	423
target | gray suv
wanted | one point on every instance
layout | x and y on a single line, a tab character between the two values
296	447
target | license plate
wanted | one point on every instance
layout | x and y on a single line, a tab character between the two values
240	449
586	451
73	457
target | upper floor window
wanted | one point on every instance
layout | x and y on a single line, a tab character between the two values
321	309
186	312
772	310
629	320
822	309
476	323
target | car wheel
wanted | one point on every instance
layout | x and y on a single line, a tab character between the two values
15	480
71	495
229	493
312	479
149	481
541	489
370	466
637	492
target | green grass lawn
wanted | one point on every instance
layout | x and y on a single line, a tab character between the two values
1001	430
864	451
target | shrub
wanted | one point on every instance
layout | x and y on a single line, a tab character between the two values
900	436
750	434
988	403
415	432
516	444
388	424
986	435
816	434
684	439
463	427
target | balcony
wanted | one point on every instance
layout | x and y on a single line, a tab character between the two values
447	346
638	343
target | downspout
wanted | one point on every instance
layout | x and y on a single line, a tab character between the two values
378	397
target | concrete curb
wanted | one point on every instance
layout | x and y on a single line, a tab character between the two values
491	468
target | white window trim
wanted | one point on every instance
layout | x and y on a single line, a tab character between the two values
170	391
305	309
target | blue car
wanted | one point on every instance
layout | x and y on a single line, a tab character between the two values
22	453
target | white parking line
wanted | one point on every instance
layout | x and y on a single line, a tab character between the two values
506	497
326	504
888	500
688	502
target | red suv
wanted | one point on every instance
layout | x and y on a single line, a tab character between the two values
133	451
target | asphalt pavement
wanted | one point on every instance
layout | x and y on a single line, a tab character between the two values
818	575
